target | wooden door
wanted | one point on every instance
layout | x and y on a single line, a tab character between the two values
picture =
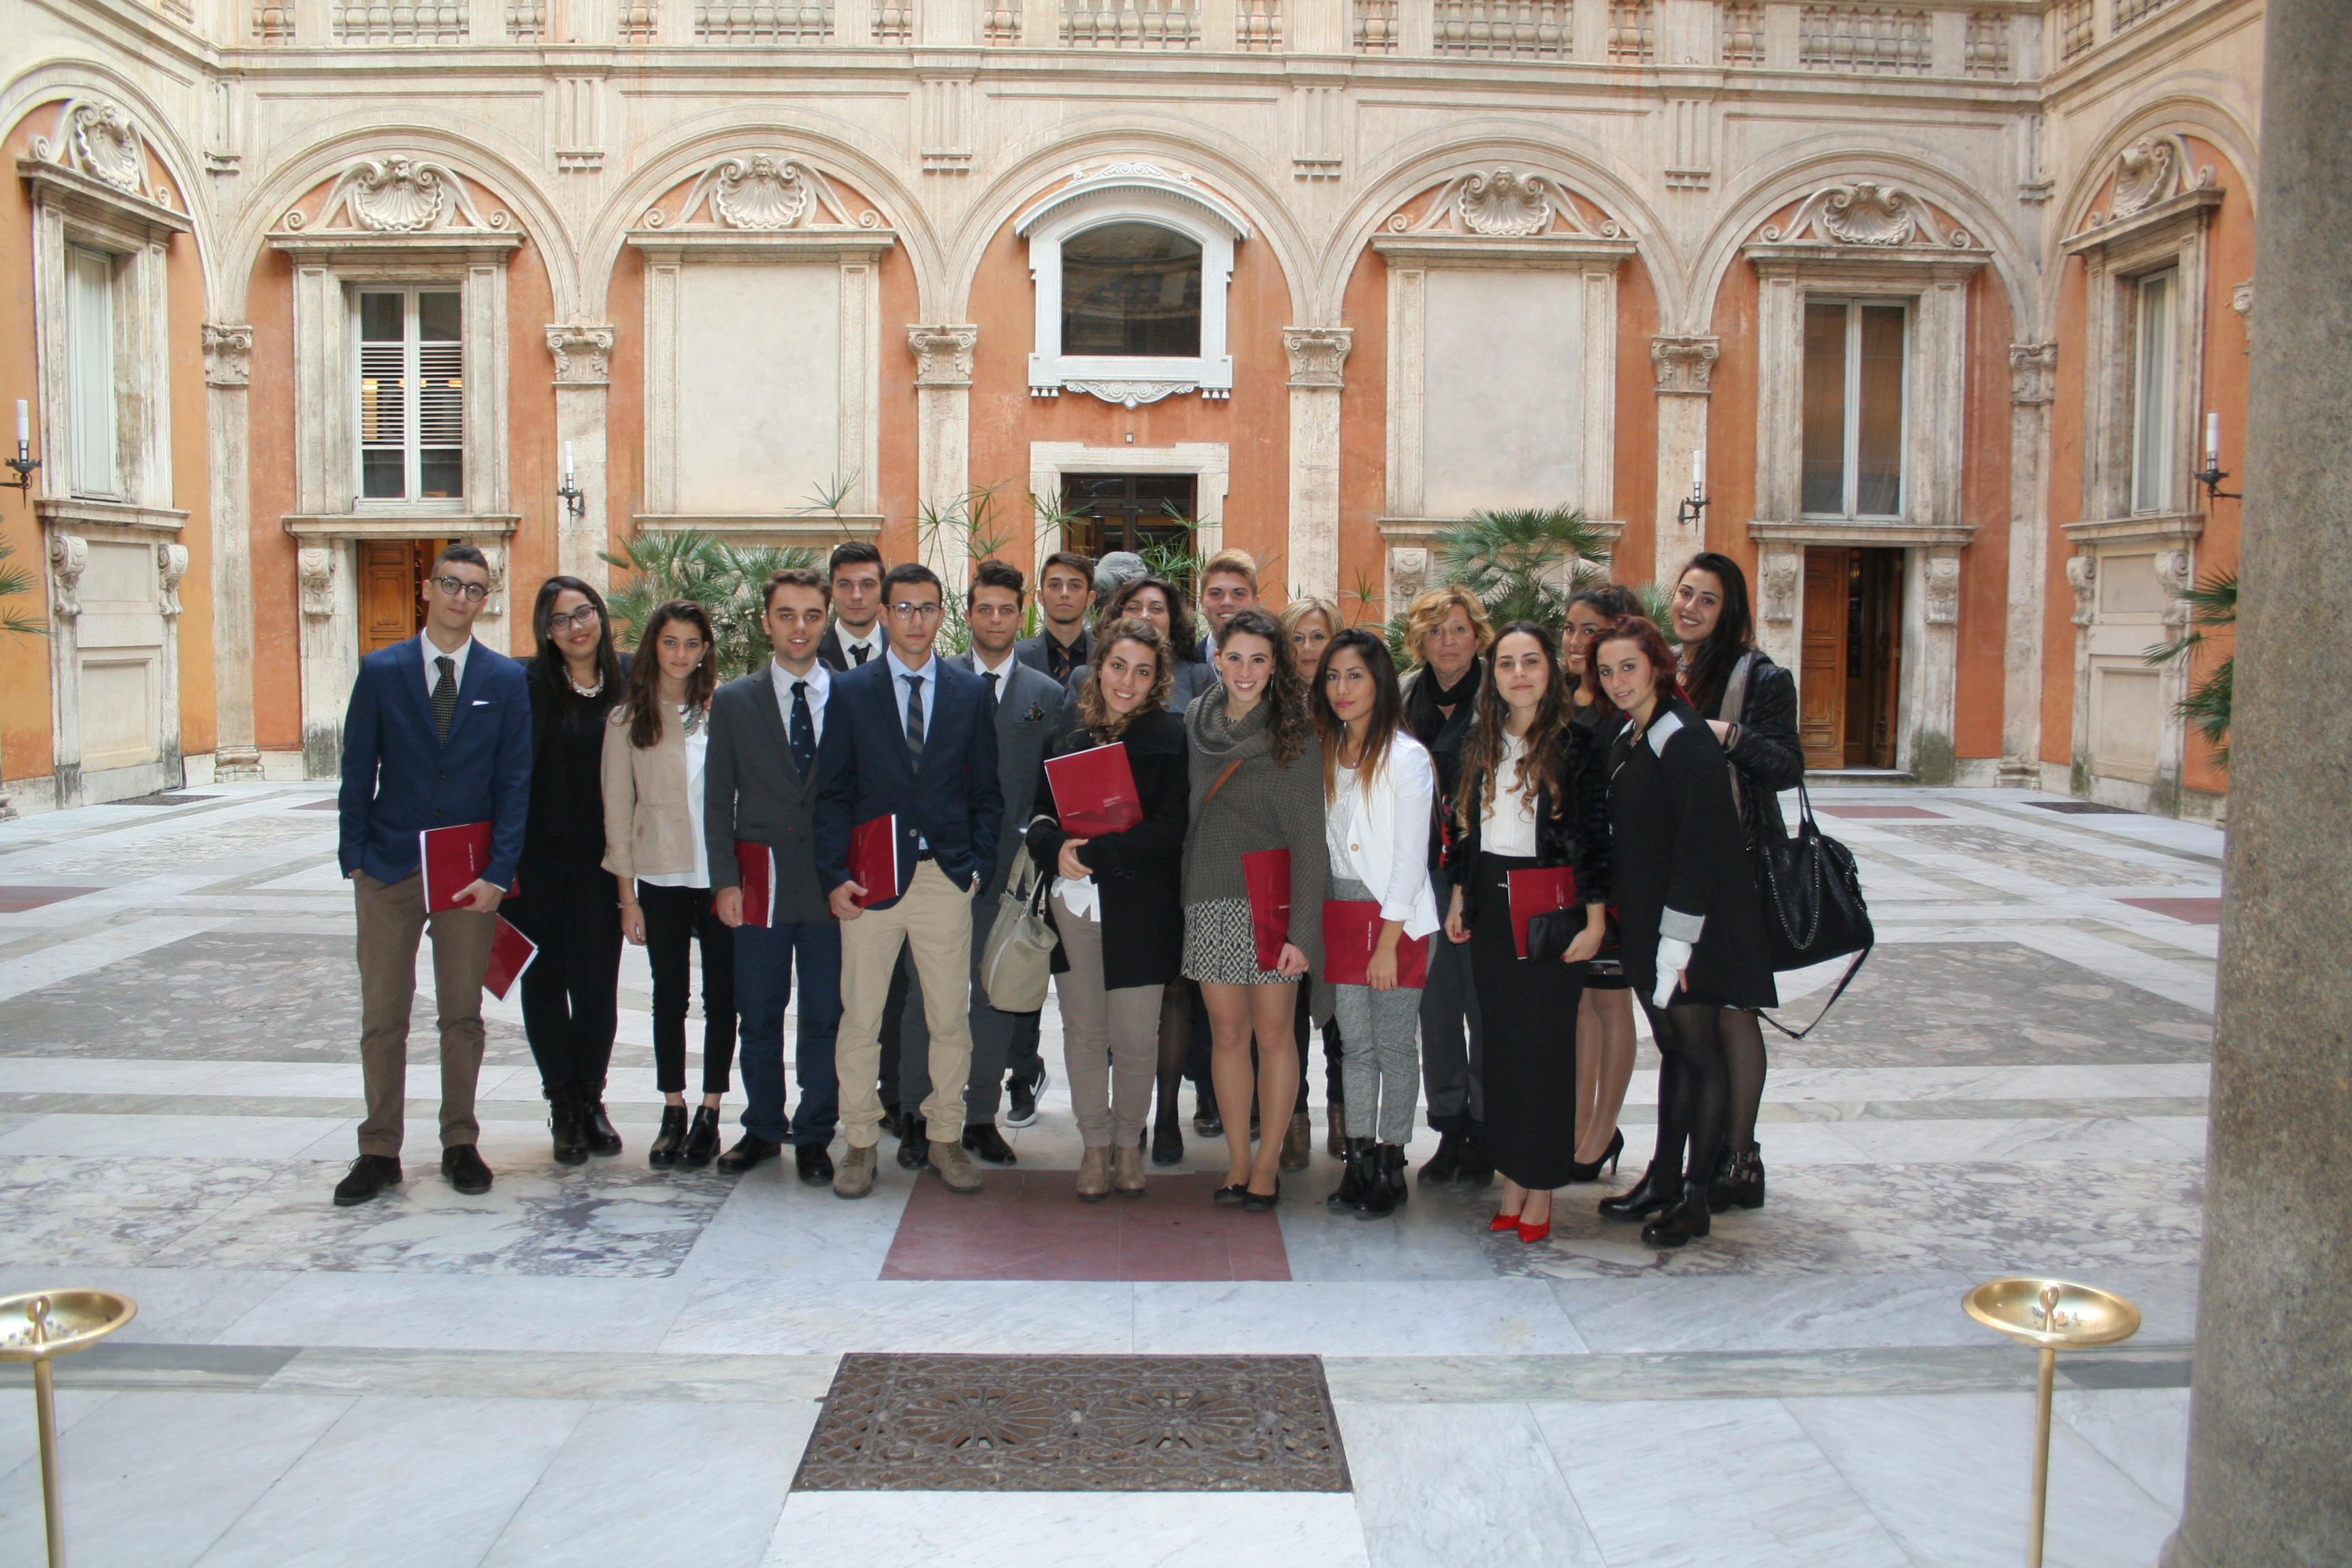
1874	656
390	573
1821	663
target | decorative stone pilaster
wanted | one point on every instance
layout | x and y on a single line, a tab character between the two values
1686	368
1318	356
943	445
229	372
582	355
2033	380
329	602
68	558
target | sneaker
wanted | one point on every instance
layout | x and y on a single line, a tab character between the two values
1023	1094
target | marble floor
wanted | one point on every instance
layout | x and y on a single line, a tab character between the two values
615	1363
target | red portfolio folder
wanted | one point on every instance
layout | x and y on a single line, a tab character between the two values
1538	891
510	954
1266	873
755	872
453	860
1352	930
874	861
1094	791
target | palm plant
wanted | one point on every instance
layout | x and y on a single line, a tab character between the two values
2213	607
1522	564
725	580
15	581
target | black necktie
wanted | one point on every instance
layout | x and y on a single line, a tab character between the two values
989	677
444	697
857	653
803	730
914	713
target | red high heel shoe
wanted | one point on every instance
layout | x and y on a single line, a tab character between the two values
1531	1233
1504	1222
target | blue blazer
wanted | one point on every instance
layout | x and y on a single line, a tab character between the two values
864	771
398	781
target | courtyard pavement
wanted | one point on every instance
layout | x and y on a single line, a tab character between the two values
614	1364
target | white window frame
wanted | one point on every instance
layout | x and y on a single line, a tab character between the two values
412	440
2154	391
1852	458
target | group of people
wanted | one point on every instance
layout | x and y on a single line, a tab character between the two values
1487	860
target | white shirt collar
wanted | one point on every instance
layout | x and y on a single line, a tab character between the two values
900	666
873	637
433	672
819	678
1004	672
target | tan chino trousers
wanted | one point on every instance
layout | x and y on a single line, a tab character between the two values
392	920
1110	1040
933	921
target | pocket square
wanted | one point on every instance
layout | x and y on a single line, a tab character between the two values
1036	712
481	702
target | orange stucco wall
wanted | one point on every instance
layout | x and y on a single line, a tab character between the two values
1985	455
1363	441
1731	415
269	422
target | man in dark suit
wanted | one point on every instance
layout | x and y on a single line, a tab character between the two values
1028	708
1065	586
911	737
854	578
438	735
758	784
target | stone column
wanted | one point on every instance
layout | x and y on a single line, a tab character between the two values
2032	372
583	354
1317	356
944	445
2270	1416
1684	366
228	370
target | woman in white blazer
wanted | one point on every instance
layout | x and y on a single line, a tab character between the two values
1378	783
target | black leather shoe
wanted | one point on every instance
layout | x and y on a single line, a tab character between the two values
815	1164
1258	1203
1650	1194
1684	1220
1205	1119
701	1139
1446	1163
986	1143
914	1141
1738	1181
1233	1196
1390	1166
892	1122
748	1151
464	1167
564	1130
596	1127
664	1151
1024	1093
1578	1172
1354	1177
1477	1170
369	1175
1167	1145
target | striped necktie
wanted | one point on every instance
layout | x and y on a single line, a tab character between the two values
444	697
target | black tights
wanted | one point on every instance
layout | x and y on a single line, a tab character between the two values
1175	1042
1743	1057
1694	1088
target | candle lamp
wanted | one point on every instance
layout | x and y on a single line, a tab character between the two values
2212	475
24	462
1693	510
574	500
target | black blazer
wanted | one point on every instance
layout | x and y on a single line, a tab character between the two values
751	791
863	770
1765	748
1032	651
830	653
1577	835
1140	871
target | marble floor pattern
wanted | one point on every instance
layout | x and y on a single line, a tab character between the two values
611	1361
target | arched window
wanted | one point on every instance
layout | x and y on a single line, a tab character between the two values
1131	288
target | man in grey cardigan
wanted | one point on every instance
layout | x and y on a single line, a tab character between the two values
758	791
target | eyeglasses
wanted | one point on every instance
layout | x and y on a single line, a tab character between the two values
457	587
913	611
585	617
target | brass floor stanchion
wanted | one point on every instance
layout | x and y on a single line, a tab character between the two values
38	1328
2049	1314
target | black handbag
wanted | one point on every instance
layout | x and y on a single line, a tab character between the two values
1813	907
1549	933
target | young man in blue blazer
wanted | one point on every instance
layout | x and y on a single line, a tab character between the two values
438	735
910	736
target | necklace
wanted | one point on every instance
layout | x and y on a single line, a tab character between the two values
578	689
689	718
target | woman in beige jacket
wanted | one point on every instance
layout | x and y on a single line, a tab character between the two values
654	750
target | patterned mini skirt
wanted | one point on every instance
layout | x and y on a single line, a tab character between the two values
1220	948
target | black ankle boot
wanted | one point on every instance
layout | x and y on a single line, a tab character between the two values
1477	1171
1378	1199
1682	1220
666	1143
1391	1171
1355	1176
1649	1196
596	1129
564	1130
702	1139
1739	1181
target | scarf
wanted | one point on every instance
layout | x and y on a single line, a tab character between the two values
1427	697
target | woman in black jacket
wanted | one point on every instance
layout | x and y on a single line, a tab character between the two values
1750	703
1117	902
1694	939
1527	800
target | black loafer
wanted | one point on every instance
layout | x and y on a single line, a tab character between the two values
914	1141
986	1143
1258	1203
749	1152
1233	1196
464	1167
369	1175
815	1164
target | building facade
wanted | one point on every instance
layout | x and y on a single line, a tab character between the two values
1932	305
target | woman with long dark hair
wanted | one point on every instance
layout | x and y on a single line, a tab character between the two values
1694	931
1751	704
1256	784
655	747
1605	1019
1311	624
1526	801
1378	783
566	901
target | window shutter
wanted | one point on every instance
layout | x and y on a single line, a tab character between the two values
441	395
90	392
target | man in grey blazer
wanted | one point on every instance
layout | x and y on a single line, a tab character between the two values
759	790
1066	584
1028	703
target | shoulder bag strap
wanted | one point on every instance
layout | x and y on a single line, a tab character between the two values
1734	706
1231	769
1850	969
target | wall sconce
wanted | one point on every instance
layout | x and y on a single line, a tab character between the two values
570	494
2210	476
24	462
1692	511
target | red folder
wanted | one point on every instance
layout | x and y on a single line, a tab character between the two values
874	861
1538	891
510	954
1094	791
755	871
454	859
1352	930
1267	874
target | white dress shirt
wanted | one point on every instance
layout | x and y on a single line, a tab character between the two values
819	687
1508	827
433	670
1004	672
872	642
930	673
697	754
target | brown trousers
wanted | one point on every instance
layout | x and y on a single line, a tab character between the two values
934	921
392	920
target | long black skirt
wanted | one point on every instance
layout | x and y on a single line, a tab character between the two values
1529	1013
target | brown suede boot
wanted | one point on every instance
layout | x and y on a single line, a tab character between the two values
1299	1143
954	1167
1094	1174
1335	1142
1128	1181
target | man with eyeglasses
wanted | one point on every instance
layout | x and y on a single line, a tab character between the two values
911	737
438	735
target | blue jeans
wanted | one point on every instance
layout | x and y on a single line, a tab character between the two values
764	960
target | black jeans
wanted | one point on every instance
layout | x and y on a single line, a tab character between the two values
676	919
570	1005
